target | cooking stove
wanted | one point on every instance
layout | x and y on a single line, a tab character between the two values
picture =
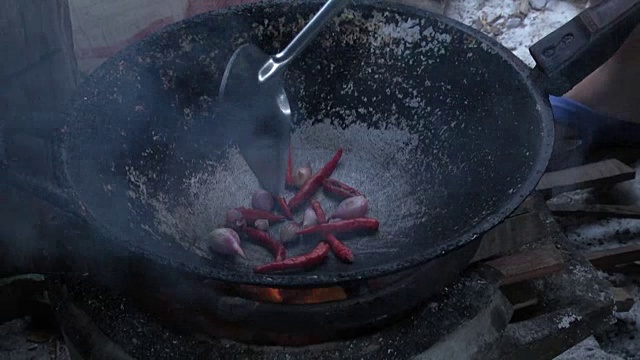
492	311
141	310
148	312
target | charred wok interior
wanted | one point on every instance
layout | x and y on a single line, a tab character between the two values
425	111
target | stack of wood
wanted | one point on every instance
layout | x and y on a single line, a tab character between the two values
510	248
519	251
622	258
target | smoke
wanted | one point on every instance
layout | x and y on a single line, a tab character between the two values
35	236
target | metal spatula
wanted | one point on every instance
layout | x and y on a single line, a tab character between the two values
253	99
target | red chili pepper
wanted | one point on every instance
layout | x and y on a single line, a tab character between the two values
308	260
282	253
312	185
342	226
341	250
251	215
264	239
320	214
288	180
338	188
282	203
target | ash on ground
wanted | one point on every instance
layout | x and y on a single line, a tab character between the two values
622	340
516	24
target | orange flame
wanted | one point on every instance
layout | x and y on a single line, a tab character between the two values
293	296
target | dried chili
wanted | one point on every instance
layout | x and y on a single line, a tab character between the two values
315	182
338	188
251	215
358	224
341	250
308	260
320	214
264	239
282	203
282	253
288	180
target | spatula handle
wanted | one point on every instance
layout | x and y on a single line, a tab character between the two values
326	13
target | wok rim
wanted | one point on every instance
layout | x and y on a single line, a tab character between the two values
207	270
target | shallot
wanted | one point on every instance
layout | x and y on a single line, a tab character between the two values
235	220
309	218
262	224
262	200
226	241
288	231
302	175
351	208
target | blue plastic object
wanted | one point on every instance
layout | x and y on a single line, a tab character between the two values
594	128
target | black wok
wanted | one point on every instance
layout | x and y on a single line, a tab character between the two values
443	129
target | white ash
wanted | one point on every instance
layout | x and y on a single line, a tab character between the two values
623	339
587	349
538	4
492	17
202	207
590	234
566	321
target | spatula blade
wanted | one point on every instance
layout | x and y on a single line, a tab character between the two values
259	115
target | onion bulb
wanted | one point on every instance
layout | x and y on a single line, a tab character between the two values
262	200
225	241
262	224
288	231
301	175
309	218
351	208
234	220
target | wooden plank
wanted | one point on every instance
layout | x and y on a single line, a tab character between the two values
510	235
591	175
630	269
623	300
528	205
525	304
609	258
521	295
528	265
614	211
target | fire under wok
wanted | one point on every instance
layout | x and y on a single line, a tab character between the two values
444	130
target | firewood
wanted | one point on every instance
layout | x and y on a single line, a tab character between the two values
528	265
586	176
